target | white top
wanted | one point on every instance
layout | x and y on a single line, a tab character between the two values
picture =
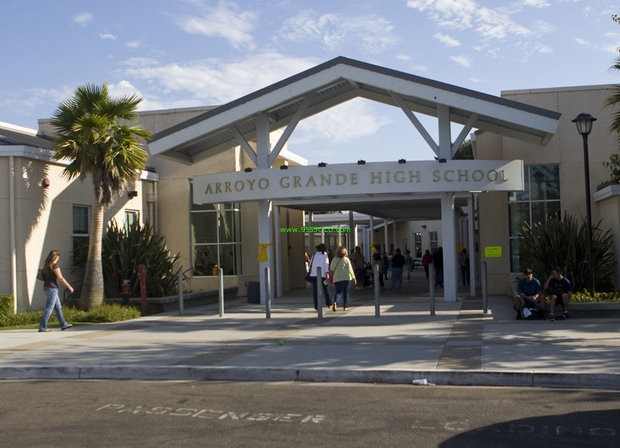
319	259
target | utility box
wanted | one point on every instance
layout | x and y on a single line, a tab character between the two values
253	289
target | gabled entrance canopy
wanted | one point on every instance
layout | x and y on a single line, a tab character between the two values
287	102
284	104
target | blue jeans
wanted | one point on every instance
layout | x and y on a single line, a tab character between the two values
52	303
342	290
397	278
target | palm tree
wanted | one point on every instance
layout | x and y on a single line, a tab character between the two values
93	132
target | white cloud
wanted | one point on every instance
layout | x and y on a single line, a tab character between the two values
462	60
446	40
217	82
83	18
226	20
134	44
536	3
581	41
468	14
108	36
349	121
335	31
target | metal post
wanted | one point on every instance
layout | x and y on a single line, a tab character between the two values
485	298
319	292
180	281
220	274
431	287
268	299
377	291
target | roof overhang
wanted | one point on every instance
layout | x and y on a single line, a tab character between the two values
24	136
335	82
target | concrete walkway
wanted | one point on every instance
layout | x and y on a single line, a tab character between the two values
459	345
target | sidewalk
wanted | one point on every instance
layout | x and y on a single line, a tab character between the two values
457	346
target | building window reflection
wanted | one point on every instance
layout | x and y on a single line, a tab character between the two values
537	203
216	238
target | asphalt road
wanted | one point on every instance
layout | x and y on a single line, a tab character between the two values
229	414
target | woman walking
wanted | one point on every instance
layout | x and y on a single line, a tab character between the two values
52	277
343	276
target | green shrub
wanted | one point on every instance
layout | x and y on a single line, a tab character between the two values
6	305
563	243
585	296
123	249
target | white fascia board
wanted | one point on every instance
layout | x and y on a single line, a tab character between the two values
288	155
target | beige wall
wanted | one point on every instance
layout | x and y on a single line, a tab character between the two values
44	221
565	149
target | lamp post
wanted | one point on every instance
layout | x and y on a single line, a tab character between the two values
584	127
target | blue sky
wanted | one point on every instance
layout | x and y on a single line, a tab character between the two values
180	53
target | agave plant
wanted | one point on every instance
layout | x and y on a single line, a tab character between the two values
563	243
124	248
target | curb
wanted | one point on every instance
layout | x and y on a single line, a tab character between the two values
435	377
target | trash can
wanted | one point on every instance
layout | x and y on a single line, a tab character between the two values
253	292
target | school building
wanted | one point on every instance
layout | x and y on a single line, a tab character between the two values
222	183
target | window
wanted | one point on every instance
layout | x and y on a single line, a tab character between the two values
538	202
433	239
417	238
216	238
131	217
80	230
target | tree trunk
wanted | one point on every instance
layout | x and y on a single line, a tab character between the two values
92	286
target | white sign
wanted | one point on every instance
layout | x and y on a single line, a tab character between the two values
353	179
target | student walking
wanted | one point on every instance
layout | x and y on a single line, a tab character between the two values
343	276
52	277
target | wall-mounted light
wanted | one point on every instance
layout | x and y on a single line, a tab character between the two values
45	182
132	194
284	167
361	162
401	161
322	164
441	160
248	170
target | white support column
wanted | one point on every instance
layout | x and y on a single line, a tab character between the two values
311	242
395	237
385	235
352	233
448	230
472	245
265	223
276	274
448	221
372	235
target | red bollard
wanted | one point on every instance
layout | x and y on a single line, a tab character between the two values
142	275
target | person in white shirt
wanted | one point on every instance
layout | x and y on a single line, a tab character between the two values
320	259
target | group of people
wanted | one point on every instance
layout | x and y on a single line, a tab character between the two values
344	272
531	297
337	269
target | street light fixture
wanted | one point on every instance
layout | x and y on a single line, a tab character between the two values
584	127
